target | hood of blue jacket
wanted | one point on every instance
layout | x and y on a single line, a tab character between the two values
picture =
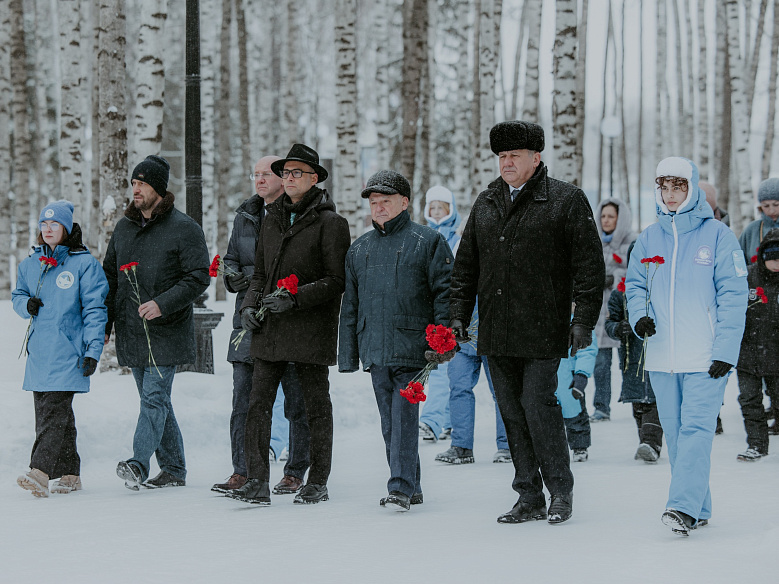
448	225
694	210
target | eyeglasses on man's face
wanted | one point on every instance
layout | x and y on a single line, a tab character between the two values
295	172
259	175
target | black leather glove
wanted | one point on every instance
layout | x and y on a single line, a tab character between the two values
645	327
33	305
89	366
281	303
719	369
623	329
460	331
249	320
609	281
580	337
440	358
238	282
578	383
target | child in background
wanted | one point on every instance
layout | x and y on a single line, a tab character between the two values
435	423
636	387
572	376
757	362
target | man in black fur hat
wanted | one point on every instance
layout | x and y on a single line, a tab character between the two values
530	247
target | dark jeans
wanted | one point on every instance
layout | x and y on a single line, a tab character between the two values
648	421
602	376
294	411
399	427
54	451
525	390
316	395
751	399
577	429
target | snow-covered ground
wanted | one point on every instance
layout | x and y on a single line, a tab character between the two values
107	533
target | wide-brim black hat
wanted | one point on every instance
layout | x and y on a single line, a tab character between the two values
301	153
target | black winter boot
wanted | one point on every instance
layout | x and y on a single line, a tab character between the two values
254	491
523	511
561	508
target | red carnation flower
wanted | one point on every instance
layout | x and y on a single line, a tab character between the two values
414	392
621	286
753	259
440	338
127	267
290	283
759	291
616	258
213	269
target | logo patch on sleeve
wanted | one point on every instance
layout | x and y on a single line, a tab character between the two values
740	264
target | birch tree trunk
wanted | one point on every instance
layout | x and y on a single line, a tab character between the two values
381	28
745	198
609	39
74	94
624	183
640	162
112	126
292	93
722	112
661	93
209	54
702	126
768	145
149	81
754	57
462	136
47	89
347	179
679	136
6	96
21	143
518	60
530	108
566	149
223	140
415	22
485	167
581	78
243	88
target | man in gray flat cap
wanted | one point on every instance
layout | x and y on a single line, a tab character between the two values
397	283
530	248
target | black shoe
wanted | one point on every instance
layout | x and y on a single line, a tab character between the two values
719	429
311	493
679	522
254	491
162	480
561	508
398	501
131	474
522	512
416	499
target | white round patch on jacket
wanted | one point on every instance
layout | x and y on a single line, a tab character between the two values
704	256
65	280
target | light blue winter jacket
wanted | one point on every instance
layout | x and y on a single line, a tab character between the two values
71	323
698	297
449	224
583	362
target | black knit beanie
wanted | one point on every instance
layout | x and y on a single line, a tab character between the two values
154	171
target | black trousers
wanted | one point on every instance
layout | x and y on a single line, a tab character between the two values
525	392
319	410
751	400
648	422
54	451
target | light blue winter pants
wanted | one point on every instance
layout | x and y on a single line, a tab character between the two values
435	409
688	405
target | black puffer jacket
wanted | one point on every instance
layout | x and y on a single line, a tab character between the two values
172	270
240	258
527	263
313	248
760	343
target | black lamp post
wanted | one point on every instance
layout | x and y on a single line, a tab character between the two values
192	147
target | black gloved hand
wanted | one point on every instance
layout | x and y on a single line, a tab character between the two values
623	329
238	282
460	331
580	337
89	366
33	305
281	303
609	281
578	383
249	320
645	327
440	358
719	369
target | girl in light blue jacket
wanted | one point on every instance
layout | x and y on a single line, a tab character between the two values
62	288
689	304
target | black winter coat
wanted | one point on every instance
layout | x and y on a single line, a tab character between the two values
635	382
760	343
526	263
172	270
240	258
313	248
397	283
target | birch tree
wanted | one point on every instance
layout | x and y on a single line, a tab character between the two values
745	207
661	94
768	145
581	76
243	87
702	126
46	73
149	81
219	233
347	158
6	95
722	110
566	150
112	117
534	13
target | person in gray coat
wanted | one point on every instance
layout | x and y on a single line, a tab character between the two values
615	228
397	283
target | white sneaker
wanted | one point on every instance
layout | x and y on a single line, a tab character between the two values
750	455
580	455
646	453
427	433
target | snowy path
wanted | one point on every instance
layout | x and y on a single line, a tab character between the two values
109	534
